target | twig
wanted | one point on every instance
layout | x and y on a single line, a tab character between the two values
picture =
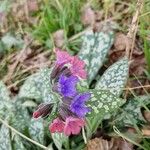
137	87
27	70
22	135
133	30
17	61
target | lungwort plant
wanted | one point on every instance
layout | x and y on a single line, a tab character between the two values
67	103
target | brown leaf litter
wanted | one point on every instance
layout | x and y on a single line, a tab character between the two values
27	61
113	144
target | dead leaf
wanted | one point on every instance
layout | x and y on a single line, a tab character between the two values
88	15
32	5
120	41
146	115
59	38
146	132
113	144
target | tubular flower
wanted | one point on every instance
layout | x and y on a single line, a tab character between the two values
57	126
43	110
77	67
67	85
62	57
73	126
70	126
72	109
78	104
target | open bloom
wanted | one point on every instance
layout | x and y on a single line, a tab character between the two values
70	126
67	85
78	104
57	126
75	65
73	126
62	57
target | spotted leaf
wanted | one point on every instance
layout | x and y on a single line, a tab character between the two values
131	114
19	117
5	102
38	87
115	77
103	102
36	130
5	142
59	139
87	46
95	48
18	143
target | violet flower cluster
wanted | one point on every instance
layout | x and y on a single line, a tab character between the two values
67	72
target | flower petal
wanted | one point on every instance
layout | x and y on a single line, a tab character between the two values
62	57
77	67
57	126
73	126
78	104
67	85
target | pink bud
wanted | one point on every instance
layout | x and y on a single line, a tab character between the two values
36	114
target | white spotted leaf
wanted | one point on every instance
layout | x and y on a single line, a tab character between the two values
103	102
19	117
5	142
18	143
87	46
38	87
59	139
36	130
95	48
131	112
115	77
5	102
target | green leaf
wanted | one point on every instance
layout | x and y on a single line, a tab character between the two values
95	48
87	46
5	102
115	77
131	114
29	104
38	87
19	117
30	90
102	103
5	142
59	139
36	130
18	143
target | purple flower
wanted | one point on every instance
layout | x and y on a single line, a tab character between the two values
78	104
67	85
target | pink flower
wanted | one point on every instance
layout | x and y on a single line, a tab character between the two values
57	126
73	126
62	57
77	67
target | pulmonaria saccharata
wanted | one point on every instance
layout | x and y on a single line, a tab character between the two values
67	72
